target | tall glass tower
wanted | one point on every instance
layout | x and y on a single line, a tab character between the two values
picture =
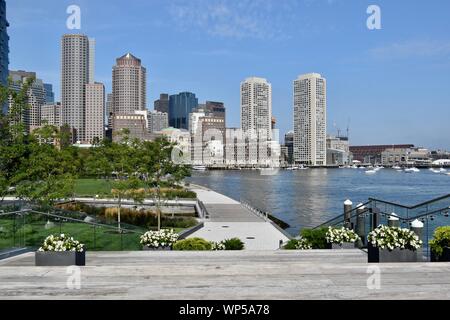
4	49
180	106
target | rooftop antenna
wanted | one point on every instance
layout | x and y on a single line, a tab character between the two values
348	128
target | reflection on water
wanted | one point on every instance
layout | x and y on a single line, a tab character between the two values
305	198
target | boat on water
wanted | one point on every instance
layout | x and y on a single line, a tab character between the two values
371	171
199	168
396	168
411	170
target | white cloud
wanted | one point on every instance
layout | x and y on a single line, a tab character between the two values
411	49
260	19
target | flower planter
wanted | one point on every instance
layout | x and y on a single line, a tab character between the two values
445	257
147	248
345	245
397	255
63	258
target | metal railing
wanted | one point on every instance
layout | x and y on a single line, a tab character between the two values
363	219
29	228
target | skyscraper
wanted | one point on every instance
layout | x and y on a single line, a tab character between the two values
180	106
91	76
129	85
289	143
52	114
95	112
216	108
310	118
49	94
36	97
162	104
4	50
256	107
75	72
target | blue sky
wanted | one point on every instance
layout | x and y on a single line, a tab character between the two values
391	85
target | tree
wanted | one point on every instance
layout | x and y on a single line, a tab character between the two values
13	136
47	174
158	169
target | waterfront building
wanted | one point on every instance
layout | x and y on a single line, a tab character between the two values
95	112
310	118
36	97
162	104
372	153
51	114
157	121
129	85
338	152
289	144
180	106
4	50
49	94
406	156
256	107
182	139
235	148
75	74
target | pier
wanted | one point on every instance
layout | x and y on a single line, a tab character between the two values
227	218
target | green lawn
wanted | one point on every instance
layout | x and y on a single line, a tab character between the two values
92	187
32	234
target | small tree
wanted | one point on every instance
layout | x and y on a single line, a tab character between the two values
158	169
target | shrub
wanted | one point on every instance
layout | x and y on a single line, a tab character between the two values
315	237
61	243
441	240
390	238
192	244
233	244
161	238
341	235
298	244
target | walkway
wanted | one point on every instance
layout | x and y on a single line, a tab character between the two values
317	274
229	218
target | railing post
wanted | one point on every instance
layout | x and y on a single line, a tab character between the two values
393	220
417	228
375	217
360	226
347	213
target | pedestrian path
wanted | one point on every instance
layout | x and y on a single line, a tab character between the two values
228	218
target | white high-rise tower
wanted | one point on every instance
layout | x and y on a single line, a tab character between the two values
75	72
256	106
310	119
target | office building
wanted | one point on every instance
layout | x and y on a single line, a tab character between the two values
4	50
372	153
289	144
51	114
31	117
180	106
310	118
129	85
157	121
135	124
162	104
95	112
75	74
49	94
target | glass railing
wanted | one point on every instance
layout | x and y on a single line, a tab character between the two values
29	228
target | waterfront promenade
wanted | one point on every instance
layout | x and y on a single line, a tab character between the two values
314	274
227	218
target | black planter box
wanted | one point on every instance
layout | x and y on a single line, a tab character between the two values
63	258
396	255
445	257
345	245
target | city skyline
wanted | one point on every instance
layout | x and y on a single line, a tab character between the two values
385	64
